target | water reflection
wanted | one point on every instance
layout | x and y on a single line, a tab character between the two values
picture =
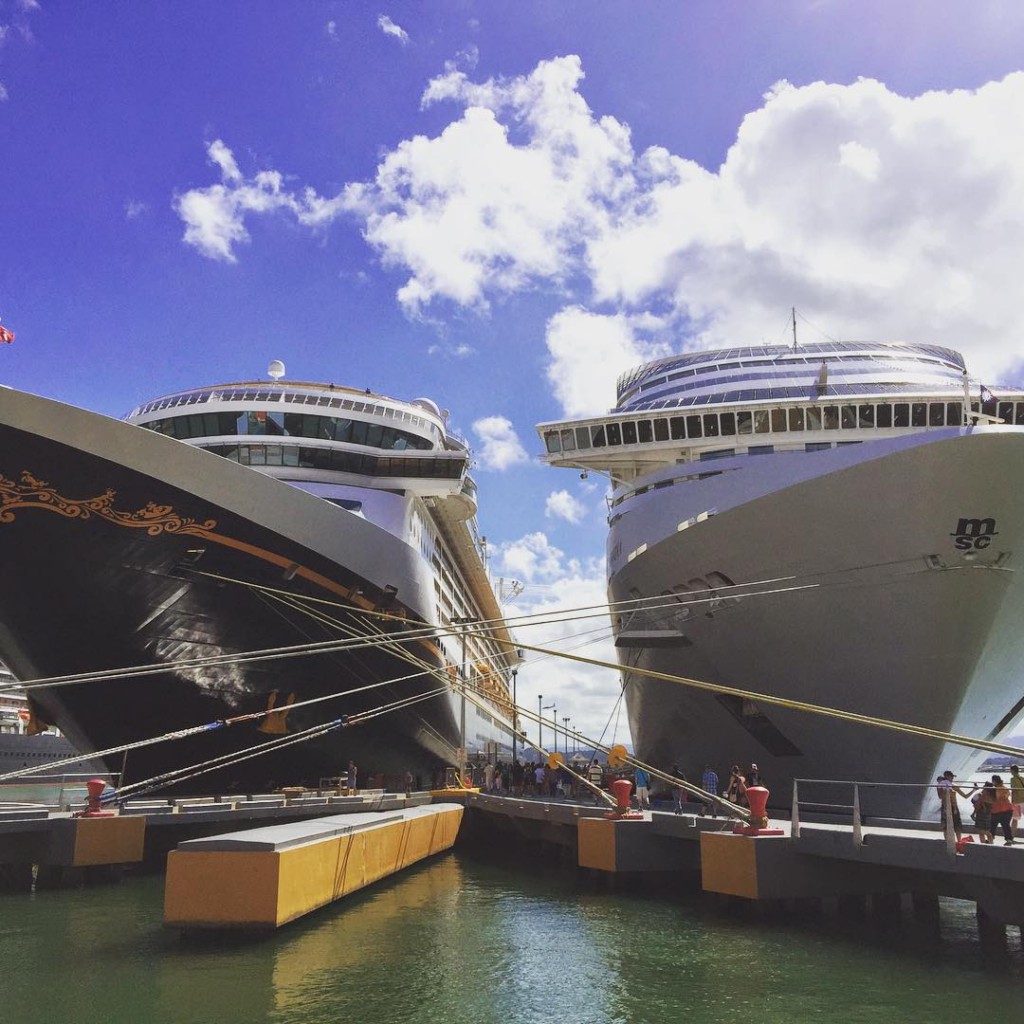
458	940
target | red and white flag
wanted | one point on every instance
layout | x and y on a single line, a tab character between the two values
6	335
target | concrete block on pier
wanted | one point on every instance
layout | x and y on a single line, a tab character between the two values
263	878
632	844
89	842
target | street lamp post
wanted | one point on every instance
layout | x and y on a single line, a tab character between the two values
548	707
540	722
565	732
515	717
555	717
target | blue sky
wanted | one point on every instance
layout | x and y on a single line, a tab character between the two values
500	206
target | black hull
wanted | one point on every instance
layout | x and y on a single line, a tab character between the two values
105	566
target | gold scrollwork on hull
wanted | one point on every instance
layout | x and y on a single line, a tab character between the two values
38	494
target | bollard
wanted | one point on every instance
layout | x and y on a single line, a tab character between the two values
757	801
621	788
94	809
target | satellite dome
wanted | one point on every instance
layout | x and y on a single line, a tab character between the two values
275	369
429	405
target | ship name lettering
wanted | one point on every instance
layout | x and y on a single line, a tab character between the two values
973	534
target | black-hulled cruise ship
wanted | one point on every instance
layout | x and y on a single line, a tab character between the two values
838	523
219	521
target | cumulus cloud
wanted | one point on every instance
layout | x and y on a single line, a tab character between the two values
562	505
215	216
877	215
389	28
134	208
587	352
556	586
500	446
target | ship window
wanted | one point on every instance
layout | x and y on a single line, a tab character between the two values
901	416
552	441
693	426
678	428
814	418
1006	412
1019	414
866	417
614	434
817	446
257	455
989	407
919	414
762	421
255	422
761	449
884	415
728	420
568	440
629	432
358	433
954	414
796	419
273	455
831	417
744	423
598	436
719	453
583	437
936	414
778	421
644	431
710	424
661	429
374	435
849	417
211	424
290	456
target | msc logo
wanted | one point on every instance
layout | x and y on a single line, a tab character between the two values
972	534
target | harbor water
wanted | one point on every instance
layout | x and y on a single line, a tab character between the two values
461	939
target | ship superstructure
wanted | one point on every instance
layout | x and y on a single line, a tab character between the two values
836	523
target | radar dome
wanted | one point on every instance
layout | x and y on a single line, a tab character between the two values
275	369
430	406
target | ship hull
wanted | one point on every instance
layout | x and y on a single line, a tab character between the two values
122	548
892	594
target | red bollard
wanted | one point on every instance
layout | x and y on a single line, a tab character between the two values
94	809
622	788
757	801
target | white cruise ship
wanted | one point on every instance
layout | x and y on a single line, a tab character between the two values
250	516
837	523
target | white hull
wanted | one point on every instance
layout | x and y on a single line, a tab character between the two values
897	622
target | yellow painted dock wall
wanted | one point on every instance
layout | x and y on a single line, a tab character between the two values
266	889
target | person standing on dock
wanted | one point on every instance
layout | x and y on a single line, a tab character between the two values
948	805
643	791
1002	810
489	778
709	783
677	773
353	774
1016	796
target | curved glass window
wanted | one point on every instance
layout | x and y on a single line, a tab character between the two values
339	460
259	422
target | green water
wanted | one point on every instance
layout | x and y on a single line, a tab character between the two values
457	940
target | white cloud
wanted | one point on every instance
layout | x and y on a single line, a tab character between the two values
3	92
876	215
331	28
500	446
215	216
134	208
587	352
556	587
388	27
562	505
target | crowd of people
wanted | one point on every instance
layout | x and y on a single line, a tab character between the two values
538	779
996	806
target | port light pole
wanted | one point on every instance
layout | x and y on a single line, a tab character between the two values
463	621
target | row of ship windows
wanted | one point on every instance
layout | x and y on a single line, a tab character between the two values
295	398
289	424
765	421
814	358
337	461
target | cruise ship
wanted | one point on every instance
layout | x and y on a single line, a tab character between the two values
212	523
837	523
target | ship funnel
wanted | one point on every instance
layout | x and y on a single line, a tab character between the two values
275	369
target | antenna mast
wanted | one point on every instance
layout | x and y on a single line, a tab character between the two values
794	328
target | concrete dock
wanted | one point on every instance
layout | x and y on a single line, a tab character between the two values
261	879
